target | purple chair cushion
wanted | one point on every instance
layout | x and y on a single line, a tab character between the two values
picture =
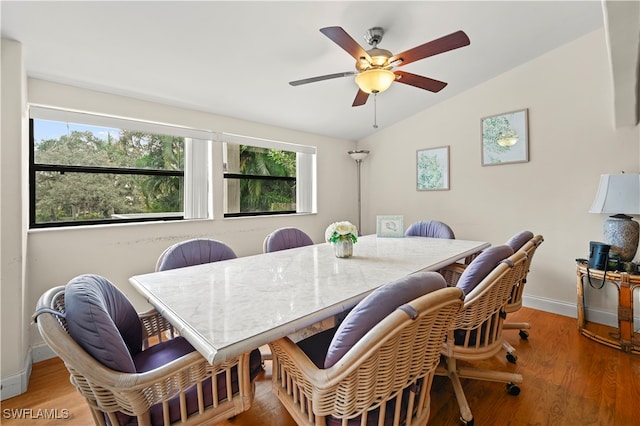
375	307
195	252
480	267
286	238
103	322
517	241
433	229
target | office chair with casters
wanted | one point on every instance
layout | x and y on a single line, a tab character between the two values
195	251
104	344
527	243
377	366
476	332
285	238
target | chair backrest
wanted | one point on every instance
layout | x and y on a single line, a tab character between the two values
480	267
398	353
196	251
432	228
103	321
375	307
519	239
93	380
478	326
528	248
286	238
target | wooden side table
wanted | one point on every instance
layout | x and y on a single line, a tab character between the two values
623	337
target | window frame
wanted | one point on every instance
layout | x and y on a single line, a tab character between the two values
305	179
196	197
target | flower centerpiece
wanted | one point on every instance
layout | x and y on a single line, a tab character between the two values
342	235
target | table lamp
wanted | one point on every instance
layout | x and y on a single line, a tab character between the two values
620	195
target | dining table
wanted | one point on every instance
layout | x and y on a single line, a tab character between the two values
230	307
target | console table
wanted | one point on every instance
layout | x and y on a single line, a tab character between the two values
623	337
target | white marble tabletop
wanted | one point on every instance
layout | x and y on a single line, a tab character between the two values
233	306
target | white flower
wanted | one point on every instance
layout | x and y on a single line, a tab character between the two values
339	231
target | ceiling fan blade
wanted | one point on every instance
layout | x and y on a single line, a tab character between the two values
322	77
434	47
361	98
344	40
420	81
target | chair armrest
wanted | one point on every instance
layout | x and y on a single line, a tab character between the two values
290	354
134	394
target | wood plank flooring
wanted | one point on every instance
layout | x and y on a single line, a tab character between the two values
568	380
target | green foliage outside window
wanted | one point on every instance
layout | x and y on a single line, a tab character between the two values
82	195
264	195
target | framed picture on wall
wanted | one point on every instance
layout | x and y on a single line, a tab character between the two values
432	169
505	138
390	226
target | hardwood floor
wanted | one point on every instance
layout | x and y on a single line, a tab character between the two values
568	380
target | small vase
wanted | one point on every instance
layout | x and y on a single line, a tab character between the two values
343	248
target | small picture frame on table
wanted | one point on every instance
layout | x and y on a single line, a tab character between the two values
390	226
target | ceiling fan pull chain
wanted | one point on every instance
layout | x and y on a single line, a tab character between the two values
375	110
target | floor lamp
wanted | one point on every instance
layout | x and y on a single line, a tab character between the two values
358	156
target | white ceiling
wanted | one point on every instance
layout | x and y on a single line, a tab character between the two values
236	58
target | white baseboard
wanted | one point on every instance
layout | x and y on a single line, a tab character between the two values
550	305
41	352
609	318
17	383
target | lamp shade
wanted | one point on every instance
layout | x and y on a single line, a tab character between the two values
359	154
618	194
375	80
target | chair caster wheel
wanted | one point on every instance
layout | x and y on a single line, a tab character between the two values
511	358
523	335
466	422
513	389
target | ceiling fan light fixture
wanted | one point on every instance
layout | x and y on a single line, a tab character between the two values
375	80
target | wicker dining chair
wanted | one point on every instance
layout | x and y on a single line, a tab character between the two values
377	366
476	332
285	238
123	377
195	251
528	244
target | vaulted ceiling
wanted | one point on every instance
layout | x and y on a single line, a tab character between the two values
236	58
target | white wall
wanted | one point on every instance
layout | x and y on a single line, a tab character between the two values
572	141
15	366
117	252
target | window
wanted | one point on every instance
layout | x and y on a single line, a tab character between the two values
91	169
264	177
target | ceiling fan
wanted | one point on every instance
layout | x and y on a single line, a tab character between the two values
375	67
